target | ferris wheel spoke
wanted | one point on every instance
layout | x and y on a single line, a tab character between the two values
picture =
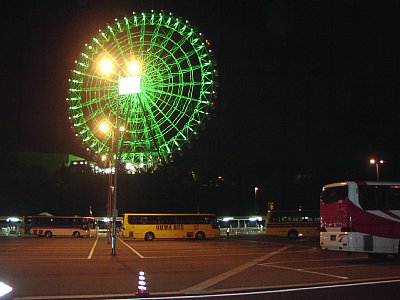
151	127
98	98
117	43
154	36
185	57
165	40
93	114
175	109
142	37
96	101
177	96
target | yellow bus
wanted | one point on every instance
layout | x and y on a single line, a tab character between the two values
170	226
293	223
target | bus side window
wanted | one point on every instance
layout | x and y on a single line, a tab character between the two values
392	198
187	220
135	220
368	197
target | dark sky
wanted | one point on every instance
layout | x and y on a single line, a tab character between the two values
309	90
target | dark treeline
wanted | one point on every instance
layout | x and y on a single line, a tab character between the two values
29	190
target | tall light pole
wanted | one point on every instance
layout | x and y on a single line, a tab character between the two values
126	86
376	163
105	128
255	200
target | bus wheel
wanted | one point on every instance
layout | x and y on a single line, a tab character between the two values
397	256
200	235
48	234
293	234
76	234
149	236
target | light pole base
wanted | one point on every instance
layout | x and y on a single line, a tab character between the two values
113	241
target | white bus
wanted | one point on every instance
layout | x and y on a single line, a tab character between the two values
10	225
104	224
242	225
49	226
361	217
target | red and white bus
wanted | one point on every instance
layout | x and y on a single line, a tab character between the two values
361	217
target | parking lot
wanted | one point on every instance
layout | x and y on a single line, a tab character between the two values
52	267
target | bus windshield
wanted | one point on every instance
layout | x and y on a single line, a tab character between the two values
334	194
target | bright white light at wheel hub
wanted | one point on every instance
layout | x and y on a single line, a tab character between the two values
129	85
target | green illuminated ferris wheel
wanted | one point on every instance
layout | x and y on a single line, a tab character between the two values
151	75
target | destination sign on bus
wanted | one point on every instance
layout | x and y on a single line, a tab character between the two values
169	227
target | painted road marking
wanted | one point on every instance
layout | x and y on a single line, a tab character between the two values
231	293
334	267
133	250
303	271
94	246
311	260
206	255
226	293
200	287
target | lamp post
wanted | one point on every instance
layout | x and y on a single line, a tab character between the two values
105	128
376	163
255	200
126	86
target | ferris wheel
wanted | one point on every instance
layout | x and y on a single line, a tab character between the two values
151	80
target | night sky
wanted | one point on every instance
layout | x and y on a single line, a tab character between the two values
308	90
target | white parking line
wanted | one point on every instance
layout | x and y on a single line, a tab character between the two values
232	293
303	271
334	267
289	289
93	247
311	260
134	251
221	277
205	255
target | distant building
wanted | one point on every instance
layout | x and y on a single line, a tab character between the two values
51	162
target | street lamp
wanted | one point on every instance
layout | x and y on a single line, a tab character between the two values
376	163
255	200
126	86
106	129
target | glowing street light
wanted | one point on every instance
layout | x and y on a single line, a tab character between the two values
255	200
104	127
134	68
126	86
376	163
